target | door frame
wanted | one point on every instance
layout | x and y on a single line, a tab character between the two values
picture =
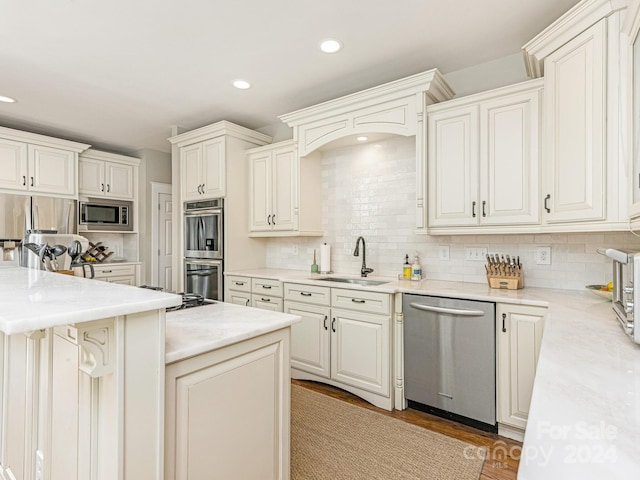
156	189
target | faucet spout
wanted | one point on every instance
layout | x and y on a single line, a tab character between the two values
364	270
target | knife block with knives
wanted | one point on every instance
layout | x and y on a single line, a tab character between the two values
504	271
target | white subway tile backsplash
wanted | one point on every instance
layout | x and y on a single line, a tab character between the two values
369	190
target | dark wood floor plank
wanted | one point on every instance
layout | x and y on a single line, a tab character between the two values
503	454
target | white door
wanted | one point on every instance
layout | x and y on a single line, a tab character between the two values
360	350
191	171
283	176
91	177
52	170
509	143
161	236
213	168
574	83
452	166
119	179
519	337
310	338
13	165
259	191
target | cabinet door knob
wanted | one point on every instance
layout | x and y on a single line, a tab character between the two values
546	203
504	317
473	209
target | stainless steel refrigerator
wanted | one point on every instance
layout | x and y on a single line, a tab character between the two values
22	213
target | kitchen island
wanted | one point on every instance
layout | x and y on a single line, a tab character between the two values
82	379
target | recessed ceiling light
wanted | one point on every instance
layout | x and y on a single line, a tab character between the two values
241	84
330	45
7	99
362	139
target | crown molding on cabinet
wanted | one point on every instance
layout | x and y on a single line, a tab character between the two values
43	140
631	24
109	157
219	129
572	23
431	82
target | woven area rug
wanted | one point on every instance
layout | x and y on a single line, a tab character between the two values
333	440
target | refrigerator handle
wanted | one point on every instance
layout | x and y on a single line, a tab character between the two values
452	311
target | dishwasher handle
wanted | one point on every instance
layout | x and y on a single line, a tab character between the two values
451	311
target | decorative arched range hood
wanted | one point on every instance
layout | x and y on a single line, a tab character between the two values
394	108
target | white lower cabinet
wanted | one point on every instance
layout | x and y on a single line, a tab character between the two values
348	346
238	290
115	273
266	294
227	412
265	302
519	330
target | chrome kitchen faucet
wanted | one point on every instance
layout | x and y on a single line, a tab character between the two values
364	270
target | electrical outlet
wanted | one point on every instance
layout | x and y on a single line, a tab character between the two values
476	254
543	255
444	252
294	249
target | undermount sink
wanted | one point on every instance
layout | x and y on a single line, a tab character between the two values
357	281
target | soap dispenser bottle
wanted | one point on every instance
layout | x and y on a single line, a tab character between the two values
406	268
416	269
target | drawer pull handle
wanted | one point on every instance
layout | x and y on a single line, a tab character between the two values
305	294
546	203
32	181
504	317
108	187
24	180
239	284
324	323
265	299
266	286
269	219
247	304
356	300
102	187
107	271
273	219
473	209
484	206
333	324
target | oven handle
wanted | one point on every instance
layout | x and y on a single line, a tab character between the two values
213	263
200	213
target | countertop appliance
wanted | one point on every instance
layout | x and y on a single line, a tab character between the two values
203	248
626	285
189	300
450	358
20	214
99	214
33	258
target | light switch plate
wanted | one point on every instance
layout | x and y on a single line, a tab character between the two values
476	254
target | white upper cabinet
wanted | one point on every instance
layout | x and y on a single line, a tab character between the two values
34	163
482	159
203	170
631	28
13	165
574	166
284	192
103	174
583	59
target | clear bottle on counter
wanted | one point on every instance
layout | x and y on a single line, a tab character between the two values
406	268
416	269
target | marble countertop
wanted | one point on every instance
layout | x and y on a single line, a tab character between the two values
584	421
198	330
34	299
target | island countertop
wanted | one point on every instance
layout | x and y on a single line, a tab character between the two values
34	299
198	330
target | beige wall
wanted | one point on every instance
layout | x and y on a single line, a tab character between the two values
155	166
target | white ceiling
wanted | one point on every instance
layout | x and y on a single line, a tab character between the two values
119	73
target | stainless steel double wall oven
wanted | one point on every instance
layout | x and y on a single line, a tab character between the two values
203	248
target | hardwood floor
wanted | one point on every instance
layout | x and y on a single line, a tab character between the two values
503	454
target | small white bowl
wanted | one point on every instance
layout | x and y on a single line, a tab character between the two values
601	293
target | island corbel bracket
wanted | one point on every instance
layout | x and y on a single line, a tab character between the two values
97	346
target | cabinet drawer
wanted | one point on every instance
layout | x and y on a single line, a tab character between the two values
243	299
239	284
266	302
307	294
362	301
265	286
103	271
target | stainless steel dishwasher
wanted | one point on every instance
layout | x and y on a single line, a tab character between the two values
450	358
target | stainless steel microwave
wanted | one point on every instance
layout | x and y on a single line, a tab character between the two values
105	215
